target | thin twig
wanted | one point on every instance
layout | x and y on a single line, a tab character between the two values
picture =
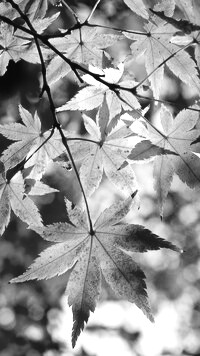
93	10
116	29
161	64
71	11
165	102
82	139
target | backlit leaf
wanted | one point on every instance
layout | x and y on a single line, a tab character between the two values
89	254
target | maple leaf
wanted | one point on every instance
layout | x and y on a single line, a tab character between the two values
92	96
39	25
194	39
7	10
182	25
146	151
168	6
33	187
37	9
11	47
89	254
84	45
12	197
138	7
177	136
32	143
157	48
106	153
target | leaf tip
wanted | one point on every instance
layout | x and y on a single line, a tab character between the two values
12	281
151	318
134	194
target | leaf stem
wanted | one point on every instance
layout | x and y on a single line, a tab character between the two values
165	102
116	29
82	139
64	141
93	10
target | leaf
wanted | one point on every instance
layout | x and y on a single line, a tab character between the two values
182	25
138	7
57	69
11	47
39	25
92	96
33	187
168	6
145	151
7	10
108	154
177	136
89	254
31	143
5	208
37	9
85	45
12	197
158	51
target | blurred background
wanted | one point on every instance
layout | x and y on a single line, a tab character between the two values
34	316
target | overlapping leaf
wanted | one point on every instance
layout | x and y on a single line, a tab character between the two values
12	198
193	38
107	154
8	11
92	96
37	9
12	47
146	151
168	6
158	49
89	254
32	143
84	45
138	7
177	136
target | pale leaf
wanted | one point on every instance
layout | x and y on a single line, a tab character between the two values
108	154
39	148
138	7
37	9
89	254
22	206
39	188
11	47
85	45
157	49
5	208
93	96
57	69
168	6
177	136
76	215
146	151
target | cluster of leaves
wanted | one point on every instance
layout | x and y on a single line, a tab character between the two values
119	136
